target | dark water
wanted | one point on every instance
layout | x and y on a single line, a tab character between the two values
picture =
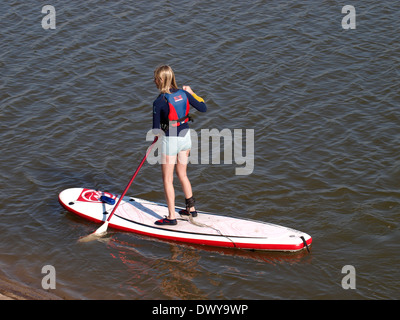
323	102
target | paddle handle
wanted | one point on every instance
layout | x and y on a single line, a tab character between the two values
133	178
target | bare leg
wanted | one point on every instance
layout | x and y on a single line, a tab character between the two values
181	168
167	168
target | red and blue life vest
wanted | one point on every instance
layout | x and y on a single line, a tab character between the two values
179	107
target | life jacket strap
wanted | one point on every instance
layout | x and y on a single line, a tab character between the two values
188	117
175	123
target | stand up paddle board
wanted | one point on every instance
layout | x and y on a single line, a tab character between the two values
138	216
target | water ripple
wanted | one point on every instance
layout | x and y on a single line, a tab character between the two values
76	105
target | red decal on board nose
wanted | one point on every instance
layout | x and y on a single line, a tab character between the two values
89	195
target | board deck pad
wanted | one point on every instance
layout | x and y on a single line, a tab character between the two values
138	216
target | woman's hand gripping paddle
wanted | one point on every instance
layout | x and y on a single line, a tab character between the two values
103	229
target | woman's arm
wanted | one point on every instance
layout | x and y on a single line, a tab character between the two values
196	101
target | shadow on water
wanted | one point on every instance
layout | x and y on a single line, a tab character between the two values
179	270
272	257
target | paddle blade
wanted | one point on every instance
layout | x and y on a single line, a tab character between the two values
90	237
103	229
97	234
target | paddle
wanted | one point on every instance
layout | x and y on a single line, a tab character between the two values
104	226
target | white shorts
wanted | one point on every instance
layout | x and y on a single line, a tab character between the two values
172	145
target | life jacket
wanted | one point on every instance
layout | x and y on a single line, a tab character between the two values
179	107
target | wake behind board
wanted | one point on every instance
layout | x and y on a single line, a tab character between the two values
138	216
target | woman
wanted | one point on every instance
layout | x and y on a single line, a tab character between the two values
171	115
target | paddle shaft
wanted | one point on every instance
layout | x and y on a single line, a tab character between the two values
133	178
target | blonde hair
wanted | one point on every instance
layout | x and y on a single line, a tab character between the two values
165	79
